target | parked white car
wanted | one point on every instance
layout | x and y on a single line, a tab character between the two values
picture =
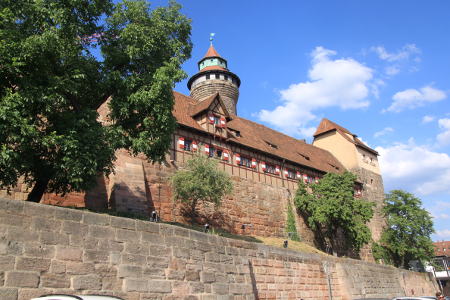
415	298
77	297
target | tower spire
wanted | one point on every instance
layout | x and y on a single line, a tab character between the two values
211	38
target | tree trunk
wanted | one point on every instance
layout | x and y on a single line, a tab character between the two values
38	190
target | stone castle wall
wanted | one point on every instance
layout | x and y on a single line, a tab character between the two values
228	92
46	249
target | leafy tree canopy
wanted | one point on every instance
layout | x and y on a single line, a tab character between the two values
201	181
407	234
52	80
331	206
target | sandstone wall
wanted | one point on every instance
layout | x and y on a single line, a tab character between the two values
48	249
229	92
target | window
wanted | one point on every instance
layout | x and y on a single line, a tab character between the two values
219	153
187	145
207	76
246	162
217	76
225	77
271	145
270	169
216	120
212	150
291	174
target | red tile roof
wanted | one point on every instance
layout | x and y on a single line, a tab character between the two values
210	68
327	125
211	52
262	138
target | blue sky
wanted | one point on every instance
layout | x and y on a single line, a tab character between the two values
379	68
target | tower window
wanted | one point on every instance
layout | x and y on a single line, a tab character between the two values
207	76
217	76
226	77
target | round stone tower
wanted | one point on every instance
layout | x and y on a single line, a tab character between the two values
213	76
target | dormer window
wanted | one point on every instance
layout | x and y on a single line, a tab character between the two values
304	156
271	145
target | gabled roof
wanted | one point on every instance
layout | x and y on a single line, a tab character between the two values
327	126
206	104
261	138
211	52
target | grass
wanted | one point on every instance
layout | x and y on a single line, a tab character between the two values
292	245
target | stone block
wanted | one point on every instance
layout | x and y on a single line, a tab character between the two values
57	267
21	279
199	236
175	275
152	238
133	259
123	223
102	232
12	206
74	228
159	286
192	275
8	293
220	288
78	268
96	219
136	285
10	219
86	282
154	272
41	210
207	277
33	264
21	235
95	256
146	226
11	247
39	250
27	293
68	253
45	224
68	214
127	235
136	248
54	281
129	271
7	263
53	238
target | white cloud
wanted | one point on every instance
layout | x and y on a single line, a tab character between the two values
415	168
403	54
399	59
412	98
443	138
383	132
443	233
343	83
392	70
427	119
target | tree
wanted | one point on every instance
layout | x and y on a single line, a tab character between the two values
52	81
331	207
200	181
407	234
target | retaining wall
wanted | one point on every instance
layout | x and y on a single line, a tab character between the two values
47	249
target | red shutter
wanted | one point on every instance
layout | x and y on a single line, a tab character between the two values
286	173
207	149
223	122
254	164
211	118
305	178
299	175
316	180
263	166
226	155
194	146
277	170
237	158
181	143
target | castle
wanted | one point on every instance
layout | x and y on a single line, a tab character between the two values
265	164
